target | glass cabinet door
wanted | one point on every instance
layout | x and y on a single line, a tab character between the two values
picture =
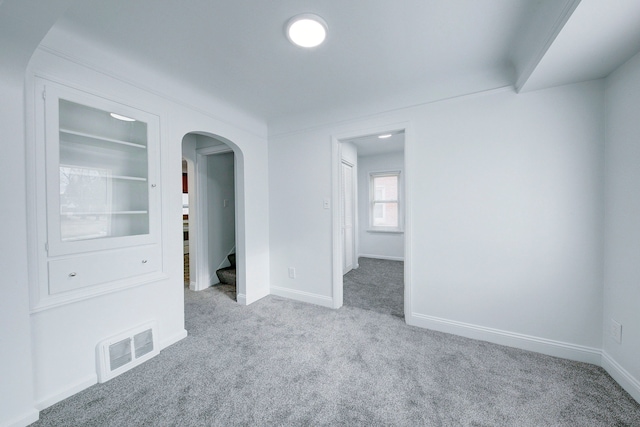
98	158
103	174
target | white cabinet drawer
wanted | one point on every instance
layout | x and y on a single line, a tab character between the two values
78	272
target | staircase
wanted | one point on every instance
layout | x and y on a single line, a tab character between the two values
227	275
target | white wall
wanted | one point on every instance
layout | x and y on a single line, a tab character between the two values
377	244
16	386
222	228
23	23
622	225
506	215
349	152
63	338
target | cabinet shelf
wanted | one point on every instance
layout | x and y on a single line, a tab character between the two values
102	138
129	178
105	213
120	177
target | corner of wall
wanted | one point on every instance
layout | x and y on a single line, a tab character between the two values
621	376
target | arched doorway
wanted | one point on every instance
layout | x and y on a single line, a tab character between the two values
215	215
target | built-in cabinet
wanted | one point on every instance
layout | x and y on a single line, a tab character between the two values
99	166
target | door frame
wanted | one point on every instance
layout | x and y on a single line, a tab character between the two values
200	257
354	212
336	165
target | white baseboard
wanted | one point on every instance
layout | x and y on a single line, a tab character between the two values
391	258
526	342
93	379
22	420
54	398
241	299
621	376
173	339
302	296
255	296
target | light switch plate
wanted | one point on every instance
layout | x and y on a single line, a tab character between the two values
616	331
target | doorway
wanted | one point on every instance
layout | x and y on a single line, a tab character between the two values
371	224
212	215
185	222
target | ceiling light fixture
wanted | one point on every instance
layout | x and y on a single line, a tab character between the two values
306	30
121	117
386	135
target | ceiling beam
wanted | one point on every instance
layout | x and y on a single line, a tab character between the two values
555	15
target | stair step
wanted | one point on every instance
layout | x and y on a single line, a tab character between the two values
227	275
232	259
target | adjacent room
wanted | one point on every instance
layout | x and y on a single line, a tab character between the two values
320	213
373	205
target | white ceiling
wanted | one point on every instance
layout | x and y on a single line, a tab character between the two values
372	145
395	51
382	54
599	36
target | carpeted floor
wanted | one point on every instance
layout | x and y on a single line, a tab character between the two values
377	285
279	362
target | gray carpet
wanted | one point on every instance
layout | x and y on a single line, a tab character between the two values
286	363
376	285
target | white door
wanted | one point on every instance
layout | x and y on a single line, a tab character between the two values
347	218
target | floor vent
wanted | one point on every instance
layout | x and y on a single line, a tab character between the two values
122	352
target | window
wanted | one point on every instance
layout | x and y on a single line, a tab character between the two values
384	196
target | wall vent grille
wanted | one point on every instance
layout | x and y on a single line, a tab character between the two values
122	352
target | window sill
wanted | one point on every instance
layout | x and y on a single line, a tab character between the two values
383	230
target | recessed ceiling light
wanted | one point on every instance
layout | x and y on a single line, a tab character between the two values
121	117
306	30
386	135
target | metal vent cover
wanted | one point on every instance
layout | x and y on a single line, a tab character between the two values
126	350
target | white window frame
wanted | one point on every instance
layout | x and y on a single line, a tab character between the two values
373	201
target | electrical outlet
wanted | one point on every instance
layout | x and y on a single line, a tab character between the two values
326	203
292	273
225	203
616	331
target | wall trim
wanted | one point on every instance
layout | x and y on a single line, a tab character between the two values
103	289
54	398
215	149
202	110
308	297
93	379
255	296
381	114
621	376
549	347
241	299
173	339
391	258
23	420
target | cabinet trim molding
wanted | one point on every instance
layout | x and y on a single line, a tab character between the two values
87	145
